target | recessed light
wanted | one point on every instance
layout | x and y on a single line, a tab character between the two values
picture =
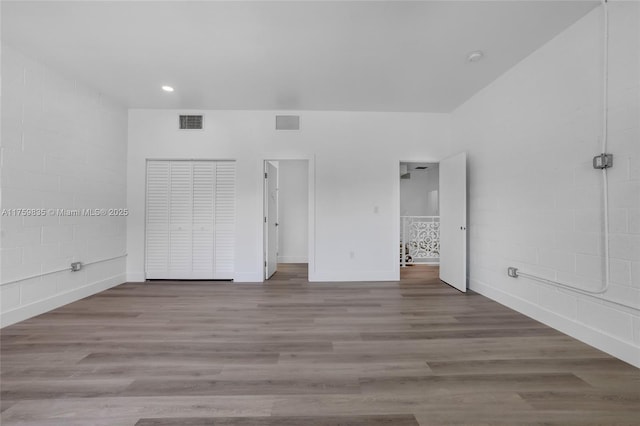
475	56
167	88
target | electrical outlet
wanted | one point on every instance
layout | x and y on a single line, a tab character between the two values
76	266
512	272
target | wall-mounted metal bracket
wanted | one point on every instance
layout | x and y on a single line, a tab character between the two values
603	161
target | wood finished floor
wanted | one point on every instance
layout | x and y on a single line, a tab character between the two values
290	353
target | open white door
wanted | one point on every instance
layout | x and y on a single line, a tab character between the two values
453	221
271	218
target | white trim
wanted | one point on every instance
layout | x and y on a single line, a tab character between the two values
312	221
135	277
311	169
395	207
41	306
275	164
249	277
356	276
625	351
190	159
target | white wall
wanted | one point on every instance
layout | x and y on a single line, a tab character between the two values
415	199
293	211
535	200
63	146
349	204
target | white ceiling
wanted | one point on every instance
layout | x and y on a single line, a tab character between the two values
291	55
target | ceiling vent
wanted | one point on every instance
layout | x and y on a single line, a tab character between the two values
287	122
191	122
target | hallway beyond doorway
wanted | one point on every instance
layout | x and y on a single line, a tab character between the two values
299	272
290	272
416	273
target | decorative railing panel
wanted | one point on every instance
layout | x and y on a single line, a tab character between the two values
420	239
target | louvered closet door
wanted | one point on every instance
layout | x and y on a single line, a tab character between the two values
225	220
180	220
203	221
190	223
157	228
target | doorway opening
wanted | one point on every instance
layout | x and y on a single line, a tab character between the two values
433	219
286	219
419	249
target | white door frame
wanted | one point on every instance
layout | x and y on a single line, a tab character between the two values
311	238
396	207
271	168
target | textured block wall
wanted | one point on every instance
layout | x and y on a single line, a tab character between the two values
63	146
535	199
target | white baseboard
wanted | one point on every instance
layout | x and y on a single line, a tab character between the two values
625	351
256	277
293	259
135	277
41	306
356	276
239	277
248	277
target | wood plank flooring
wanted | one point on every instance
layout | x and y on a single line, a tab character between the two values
287	352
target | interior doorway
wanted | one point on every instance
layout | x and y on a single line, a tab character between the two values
419	215
287	219
271	221
433	218
420	274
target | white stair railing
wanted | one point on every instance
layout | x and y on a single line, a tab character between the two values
419	239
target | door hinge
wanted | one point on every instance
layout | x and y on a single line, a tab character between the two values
265	263
265	220
265	175
603	161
